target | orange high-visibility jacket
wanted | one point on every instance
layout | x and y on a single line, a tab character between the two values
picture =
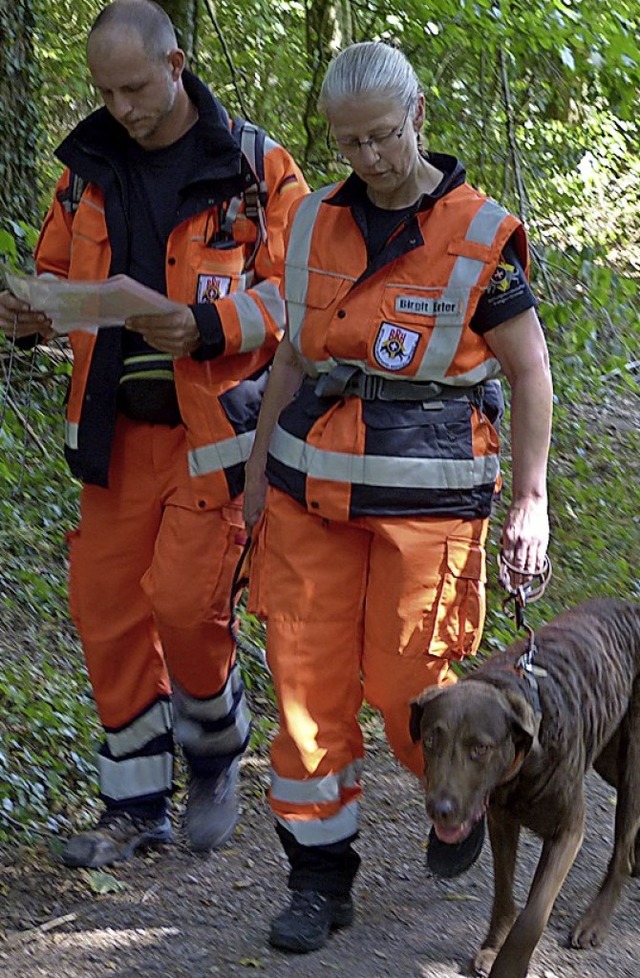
219	398
425	445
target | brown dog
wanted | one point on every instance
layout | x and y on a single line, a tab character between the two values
521	746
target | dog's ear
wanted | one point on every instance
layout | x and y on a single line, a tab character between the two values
525	721
417	709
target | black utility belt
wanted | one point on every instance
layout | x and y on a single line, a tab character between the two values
347	381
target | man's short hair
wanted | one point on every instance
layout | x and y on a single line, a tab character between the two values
146	18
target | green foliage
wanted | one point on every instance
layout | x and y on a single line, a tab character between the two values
591	314
19	78
66	94
45	749
47	722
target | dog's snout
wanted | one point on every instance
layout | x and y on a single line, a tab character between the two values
443	810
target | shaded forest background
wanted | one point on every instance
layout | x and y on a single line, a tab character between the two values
537	98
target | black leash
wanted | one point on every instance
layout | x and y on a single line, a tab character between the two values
522	595
239	582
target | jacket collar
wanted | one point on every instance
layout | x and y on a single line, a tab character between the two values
353	190
99	141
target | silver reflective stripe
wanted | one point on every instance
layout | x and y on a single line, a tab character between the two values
269	294
71	434
445	338
192	714
215	707
251	322
220	455
230	740
297	259
248	142
132	738
484	371
324	831
316	790
382	470
248	138
485	224
137	776
270	144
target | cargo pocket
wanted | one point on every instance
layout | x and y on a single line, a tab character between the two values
461	605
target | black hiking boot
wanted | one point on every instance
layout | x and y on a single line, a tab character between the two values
116	836
308	920
212	808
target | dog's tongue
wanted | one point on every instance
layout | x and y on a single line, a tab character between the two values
451	836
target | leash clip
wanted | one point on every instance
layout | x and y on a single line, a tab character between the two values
521	595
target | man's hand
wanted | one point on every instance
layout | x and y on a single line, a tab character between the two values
18	319
175	333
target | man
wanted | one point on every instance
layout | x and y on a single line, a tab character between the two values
160	418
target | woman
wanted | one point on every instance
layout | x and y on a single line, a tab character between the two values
377	452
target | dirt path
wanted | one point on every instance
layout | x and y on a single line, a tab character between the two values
182	916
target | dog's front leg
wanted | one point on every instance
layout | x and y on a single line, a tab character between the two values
556	859
504	833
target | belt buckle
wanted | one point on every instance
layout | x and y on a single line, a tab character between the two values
369	387
433	391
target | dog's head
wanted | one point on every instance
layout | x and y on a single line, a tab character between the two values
474	737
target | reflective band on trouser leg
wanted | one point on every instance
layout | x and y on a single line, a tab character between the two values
435	616
213	727
136	762
324	831
135	779
320	793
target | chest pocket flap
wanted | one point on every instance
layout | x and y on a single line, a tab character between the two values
315	289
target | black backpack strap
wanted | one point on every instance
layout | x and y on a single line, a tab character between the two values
70	198
254	196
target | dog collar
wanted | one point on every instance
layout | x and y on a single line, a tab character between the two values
513	770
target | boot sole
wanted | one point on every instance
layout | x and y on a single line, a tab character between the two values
144	841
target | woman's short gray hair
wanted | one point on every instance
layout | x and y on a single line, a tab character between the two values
369	68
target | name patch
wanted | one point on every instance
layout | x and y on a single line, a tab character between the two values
420	306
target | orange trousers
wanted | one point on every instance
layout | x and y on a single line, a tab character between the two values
150	579
374	608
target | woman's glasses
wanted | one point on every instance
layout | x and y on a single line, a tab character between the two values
377	142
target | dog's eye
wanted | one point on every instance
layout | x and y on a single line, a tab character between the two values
478	751
428	741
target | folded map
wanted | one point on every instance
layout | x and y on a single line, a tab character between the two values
86	305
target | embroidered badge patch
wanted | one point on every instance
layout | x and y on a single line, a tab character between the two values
502	277
395	346
212	287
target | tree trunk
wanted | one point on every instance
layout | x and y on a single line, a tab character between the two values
19	119
184	14
329	28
